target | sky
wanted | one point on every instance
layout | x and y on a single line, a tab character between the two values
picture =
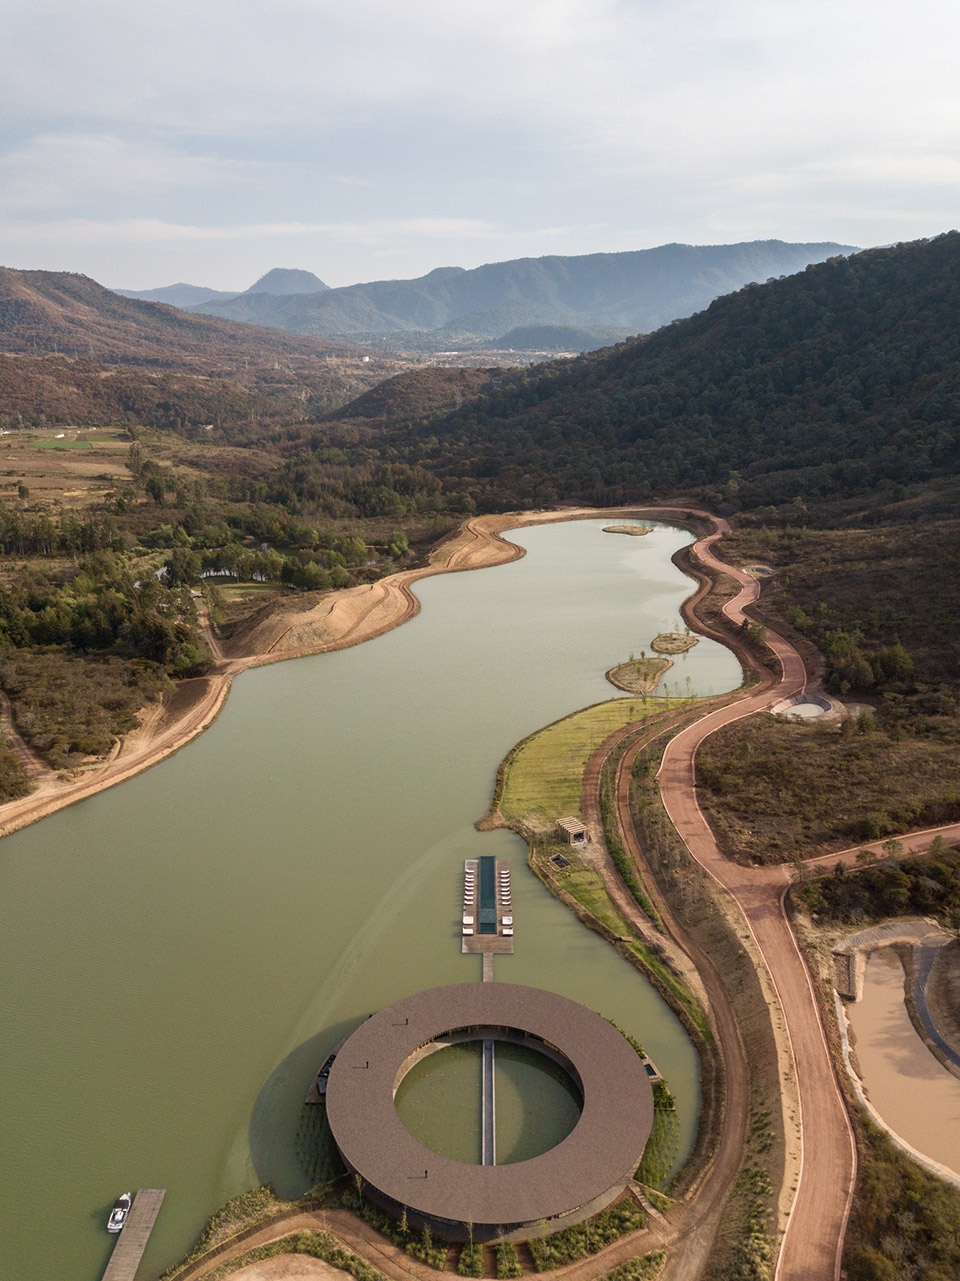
209	142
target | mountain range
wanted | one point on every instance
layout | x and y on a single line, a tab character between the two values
552	303
841	380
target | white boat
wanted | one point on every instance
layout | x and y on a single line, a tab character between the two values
118	1215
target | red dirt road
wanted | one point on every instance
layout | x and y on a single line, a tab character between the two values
813	1239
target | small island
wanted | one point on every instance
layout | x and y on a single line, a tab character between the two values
639	675
673	642
634	531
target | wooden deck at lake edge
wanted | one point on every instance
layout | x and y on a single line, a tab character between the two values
132	1241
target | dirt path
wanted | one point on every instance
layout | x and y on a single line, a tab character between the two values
396	1265
819	1136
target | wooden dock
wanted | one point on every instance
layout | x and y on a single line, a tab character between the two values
132	1241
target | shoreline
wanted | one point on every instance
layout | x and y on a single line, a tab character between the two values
338	620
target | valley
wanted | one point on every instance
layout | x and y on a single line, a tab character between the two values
191	500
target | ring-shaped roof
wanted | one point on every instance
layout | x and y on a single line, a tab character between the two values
603	1148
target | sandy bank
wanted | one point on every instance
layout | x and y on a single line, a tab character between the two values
335	621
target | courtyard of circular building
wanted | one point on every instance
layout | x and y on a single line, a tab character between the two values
457	1200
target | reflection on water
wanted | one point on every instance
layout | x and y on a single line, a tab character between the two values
916	1096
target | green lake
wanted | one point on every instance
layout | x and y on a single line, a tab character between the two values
180	953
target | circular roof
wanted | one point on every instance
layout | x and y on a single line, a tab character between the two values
603	1148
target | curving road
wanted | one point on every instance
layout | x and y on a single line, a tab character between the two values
813	1240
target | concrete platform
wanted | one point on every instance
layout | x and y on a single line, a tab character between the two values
477	943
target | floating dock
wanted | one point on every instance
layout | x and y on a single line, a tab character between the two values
487	919
132	1241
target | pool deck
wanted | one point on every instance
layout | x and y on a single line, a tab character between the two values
132	1241
498	942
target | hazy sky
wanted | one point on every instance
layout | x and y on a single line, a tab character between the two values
208	141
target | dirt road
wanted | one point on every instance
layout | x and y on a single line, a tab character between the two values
825	1151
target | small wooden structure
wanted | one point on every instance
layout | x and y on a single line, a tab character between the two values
572	831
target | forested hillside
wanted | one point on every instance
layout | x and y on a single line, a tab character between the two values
836	380
59	311
74	352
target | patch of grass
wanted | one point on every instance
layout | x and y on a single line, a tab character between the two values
639	675
241	591
630	874
543	777
470	1263
316	1150
419	1245
588	1237
241	1212
317	1245
771	788
660	1154
63	444
586	886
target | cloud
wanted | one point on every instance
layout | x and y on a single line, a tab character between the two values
626	120
55	170
232	255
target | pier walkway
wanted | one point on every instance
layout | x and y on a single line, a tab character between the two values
132	1241
488	1108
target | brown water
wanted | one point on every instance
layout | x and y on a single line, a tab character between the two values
916	1096
177	955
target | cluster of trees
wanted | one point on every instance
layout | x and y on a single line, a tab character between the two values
101	608
69	706
927	886
852	670
29	533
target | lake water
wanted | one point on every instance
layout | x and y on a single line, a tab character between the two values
180	953
537	1104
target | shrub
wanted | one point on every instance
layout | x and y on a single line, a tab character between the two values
508	1261
586	1238
471	1261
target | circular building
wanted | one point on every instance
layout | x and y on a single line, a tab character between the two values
583	1173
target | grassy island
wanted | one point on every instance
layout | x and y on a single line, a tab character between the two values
673	642
639	675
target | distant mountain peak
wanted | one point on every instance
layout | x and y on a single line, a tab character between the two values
619	293
288	280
